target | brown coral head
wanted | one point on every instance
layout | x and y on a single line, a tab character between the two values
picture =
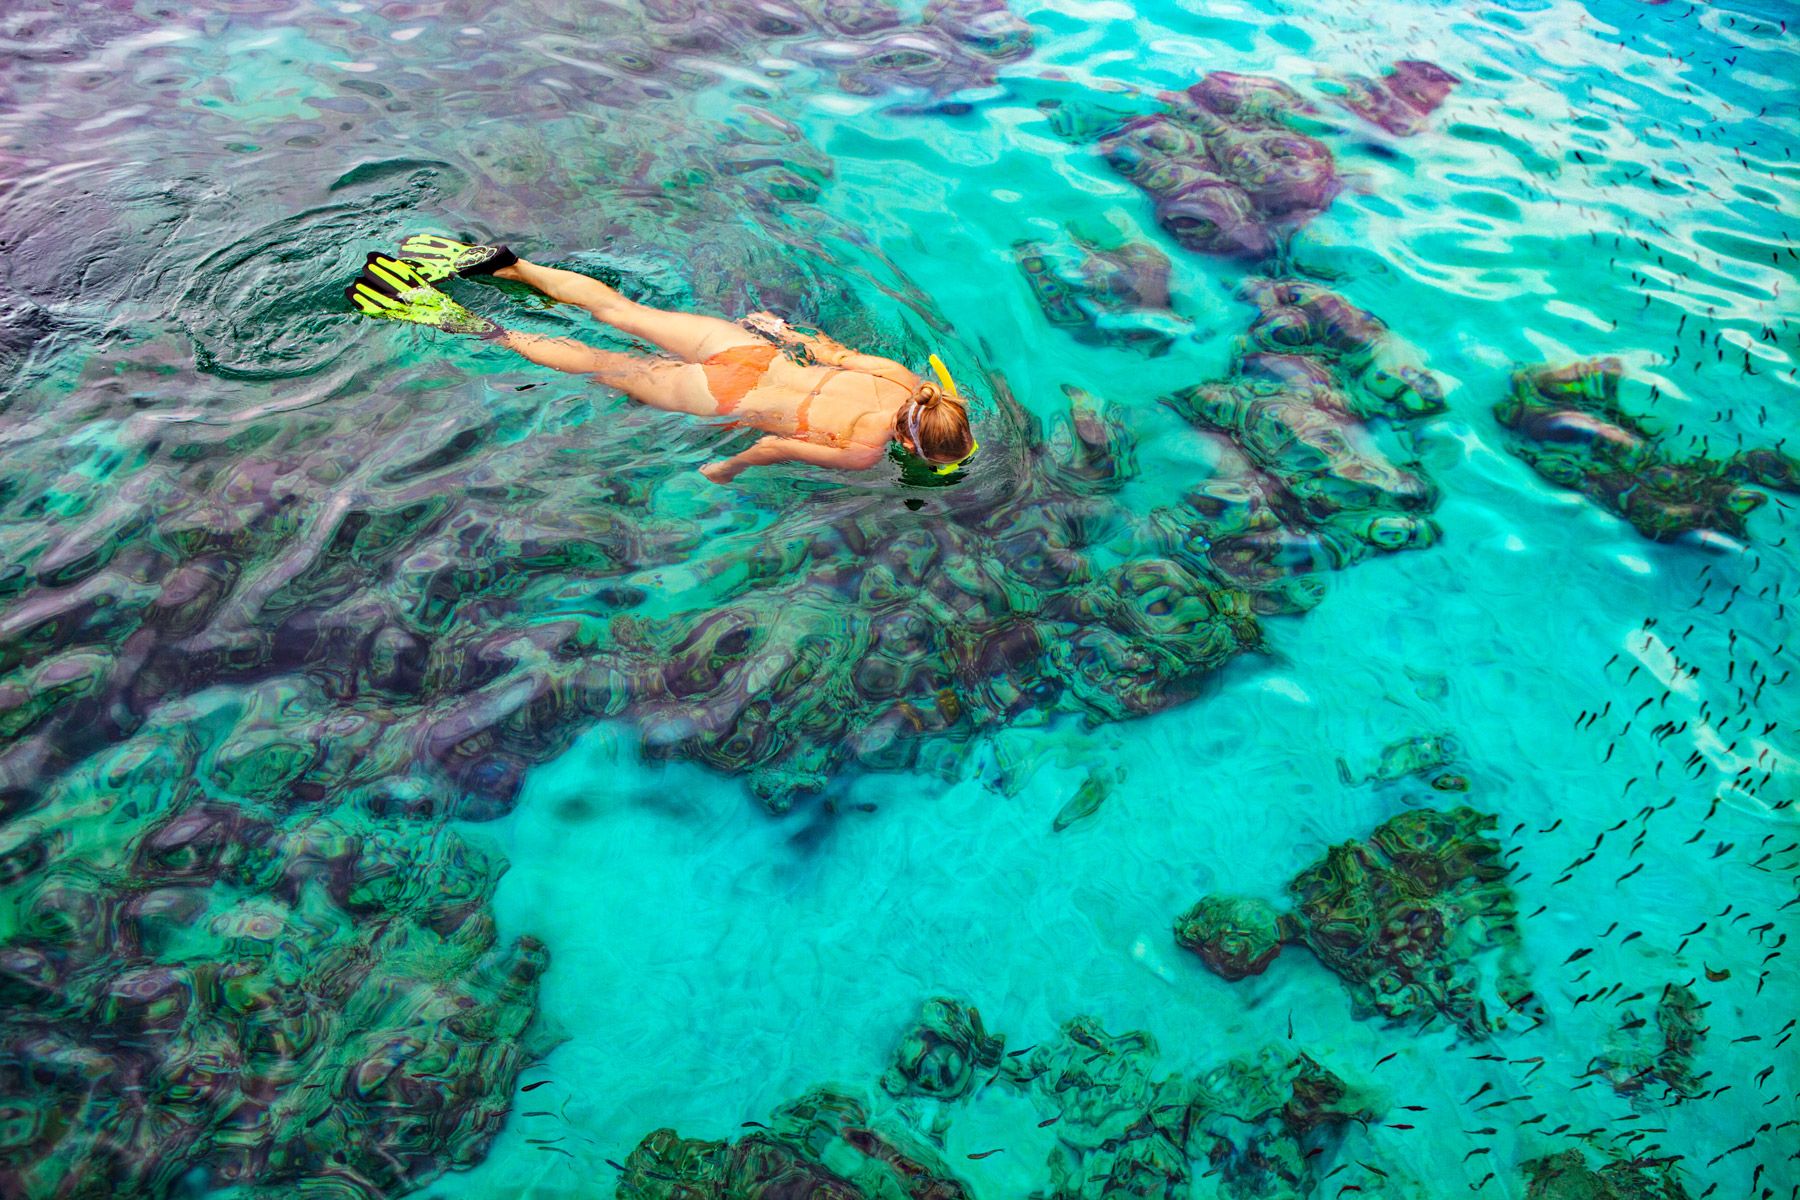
1234	936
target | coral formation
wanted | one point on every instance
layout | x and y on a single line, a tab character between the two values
1402	100
1260	1127
1226	169
270	622
1407	921
1256	1125
1306	486
822	1146
1236	936
1567	1176
1573	431
1229	161
212	979
944	1053
1103	296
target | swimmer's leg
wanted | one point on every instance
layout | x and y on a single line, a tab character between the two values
671	386
688	336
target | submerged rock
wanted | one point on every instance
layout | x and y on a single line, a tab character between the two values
287	992
1265	1125
1308	488
1259	1126
1571	428
1103	296
1407	921
944	1053
1659	1051
1234	935
1224	168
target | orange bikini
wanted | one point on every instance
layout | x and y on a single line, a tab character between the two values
731	374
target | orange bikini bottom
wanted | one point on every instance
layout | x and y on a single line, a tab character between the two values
731	374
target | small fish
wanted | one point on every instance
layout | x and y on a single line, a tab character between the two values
1716	976
987	1153
532	1087
1049	1121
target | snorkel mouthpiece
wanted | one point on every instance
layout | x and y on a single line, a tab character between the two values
949	385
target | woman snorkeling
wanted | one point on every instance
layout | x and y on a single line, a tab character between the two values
817	401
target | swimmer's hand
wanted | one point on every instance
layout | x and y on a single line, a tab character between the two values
721	471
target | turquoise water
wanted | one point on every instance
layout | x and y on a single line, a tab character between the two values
346	798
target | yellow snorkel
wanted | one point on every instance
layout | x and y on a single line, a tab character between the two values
949	385
943	373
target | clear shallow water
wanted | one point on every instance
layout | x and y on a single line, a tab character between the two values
190	414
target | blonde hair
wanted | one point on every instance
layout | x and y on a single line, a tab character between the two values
938	425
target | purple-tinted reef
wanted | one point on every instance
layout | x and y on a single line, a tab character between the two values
1103	296
1402	99
1225	167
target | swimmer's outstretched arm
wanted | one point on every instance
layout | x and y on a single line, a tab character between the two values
771	450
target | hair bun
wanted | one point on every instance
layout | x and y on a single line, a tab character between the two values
929	395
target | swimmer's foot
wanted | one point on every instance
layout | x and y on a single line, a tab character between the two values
395	289
439	257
